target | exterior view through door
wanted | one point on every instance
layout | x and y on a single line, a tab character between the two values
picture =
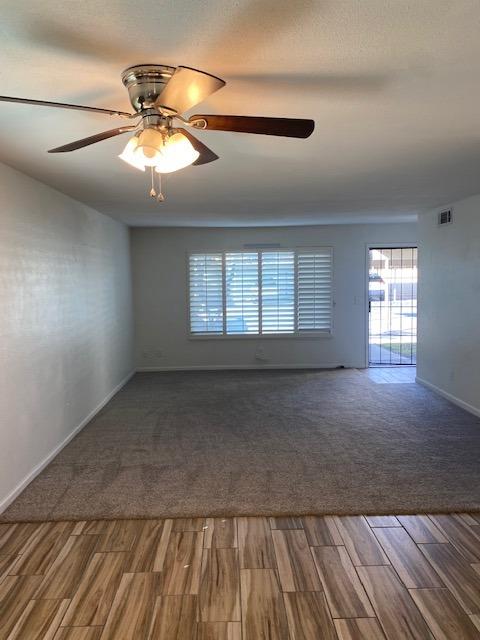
392	305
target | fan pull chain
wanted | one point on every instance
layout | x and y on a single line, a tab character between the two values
157	194
153	193
161	195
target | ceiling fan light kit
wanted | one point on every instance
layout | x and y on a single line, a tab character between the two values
128	154
159	95
166	151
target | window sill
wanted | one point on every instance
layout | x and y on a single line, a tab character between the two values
268	336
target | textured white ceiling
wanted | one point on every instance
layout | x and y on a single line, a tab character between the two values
393	85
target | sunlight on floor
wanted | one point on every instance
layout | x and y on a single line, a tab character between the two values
392	375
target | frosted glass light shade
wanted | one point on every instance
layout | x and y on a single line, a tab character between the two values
128	154
177	153
150	147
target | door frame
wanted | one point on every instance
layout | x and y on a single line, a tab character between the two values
378	245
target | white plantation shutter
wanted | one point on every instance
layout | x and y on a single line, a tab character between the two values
278	292
314	290
261	292
206	293
241	292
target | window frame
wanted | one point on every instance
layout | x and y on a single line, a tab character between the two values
296	334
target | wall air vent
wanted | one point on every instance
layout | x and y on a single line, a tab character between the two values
445	217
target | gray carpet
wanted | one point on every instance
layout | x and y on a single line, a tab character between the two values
262	442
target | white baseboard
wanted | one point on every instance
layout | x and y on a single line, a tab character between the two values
39	467
236	367
460	403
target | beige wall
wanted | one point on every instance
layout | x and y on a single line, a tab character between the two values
159	258
449	304
65	320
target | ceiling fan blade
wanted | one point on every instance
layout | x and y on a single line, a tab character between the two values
78	144
63	105
289	127
186	88
206	154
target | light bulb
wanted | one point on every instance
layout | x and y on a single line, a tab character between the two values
128	154
149	148
176	154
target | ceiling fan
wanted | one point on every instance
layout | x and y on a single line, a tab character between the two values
159	94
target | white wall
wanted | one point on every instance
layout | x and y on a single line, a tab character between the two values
66	329
449	308
159	258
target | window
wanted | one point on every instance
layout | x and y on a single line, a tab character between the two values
282	292
241	293
314	290
278	292
206	297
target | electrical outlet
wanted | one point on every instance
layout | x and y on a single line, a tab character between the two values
261	355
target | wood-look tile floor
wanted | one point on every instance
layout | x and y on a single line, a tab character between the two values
335	578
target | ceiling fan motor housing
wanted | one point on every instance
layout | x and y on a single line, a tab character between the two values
145	83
